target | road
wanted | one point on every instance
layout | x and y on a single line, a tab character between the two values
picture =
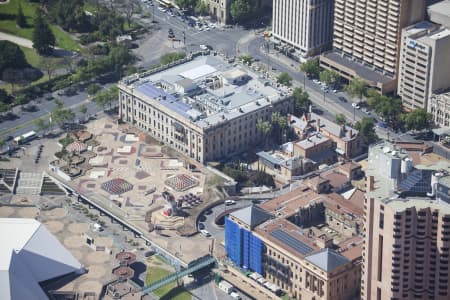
21	121
157	43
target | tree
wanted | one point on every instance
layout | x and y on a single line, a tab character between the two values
83	109
107	97
340	119
246	59
201	8
265	127
13	76
42	125
367	130
356	88
329	77
131	8
301	98
93	88
389	108
284	79
373	97
21	21
418	119
49	64
11	56
311	68
280	123
186	4
241	10
42	37
171	57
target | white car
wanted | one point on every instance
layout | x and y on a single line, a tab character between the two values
203	47
205	232
335	91
229	202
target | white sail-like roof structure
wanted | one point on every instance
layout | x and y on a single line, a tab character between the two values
30	254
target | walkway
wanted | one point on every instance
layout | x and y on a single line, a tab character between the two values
16	40
199	264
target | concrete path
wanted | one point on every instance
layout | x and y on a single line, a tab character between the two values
16	40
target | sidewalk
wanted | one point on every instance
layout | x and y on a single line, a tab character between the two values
16	40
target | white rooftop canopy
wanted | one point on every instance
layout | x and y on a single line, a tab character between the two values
30	254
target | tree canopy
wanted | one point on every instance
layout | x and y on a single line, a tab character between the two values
329	77
340	119
42	38
171	57
311	68
186	4
301	99
356	88
418	119
107	97
367	129
285	79
21	21
11	56
241	10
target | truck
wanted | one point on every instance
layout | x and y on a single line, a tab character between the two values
226	287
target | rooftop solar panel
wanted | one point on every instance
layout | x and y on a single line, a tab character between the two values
170	101
292	242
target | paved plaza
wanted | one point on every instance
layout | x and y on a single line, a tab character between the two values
144	183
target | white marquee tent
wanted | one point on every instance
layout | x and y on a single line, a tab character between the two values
30	254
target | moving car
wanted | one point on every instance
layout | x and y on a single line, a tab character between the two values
229	202
205	232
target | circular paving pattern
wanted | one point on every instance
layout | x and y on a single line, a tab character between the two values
117	186
74	242
90	286
76	147
28	212
54	226
78	228
77	254
56	213
97	257
95	271
6	211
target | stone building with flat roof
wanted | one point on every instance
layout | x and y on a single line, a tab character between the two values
203	107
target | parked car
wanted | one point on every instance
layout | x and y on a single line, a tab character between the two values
343	99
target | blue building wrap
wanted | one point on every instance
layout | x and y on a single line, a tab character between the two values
243	248
233	241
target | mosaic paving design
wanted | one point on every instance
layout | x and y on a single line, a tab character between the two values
181	182
117	186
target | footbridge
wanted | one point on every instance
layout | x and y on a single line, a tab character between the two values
193	266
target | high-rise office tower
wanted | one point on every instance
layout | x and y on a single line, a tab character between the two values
304	25
407	227
424	64
366	39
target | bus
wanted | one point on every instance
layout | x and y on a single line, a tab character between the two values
165	3
25	138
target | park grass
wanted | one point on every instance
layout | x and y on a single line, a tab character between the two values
169	291
31	56
8	24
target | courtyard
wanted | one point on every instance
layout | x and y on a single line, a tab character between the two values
144	183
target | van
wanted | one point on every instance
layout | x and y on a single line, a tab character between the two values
205	232
235	295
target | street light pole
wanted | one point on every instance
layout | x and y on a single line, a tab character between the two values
304	81
324	99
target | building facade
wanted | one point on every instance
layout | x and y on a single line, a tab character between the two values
424	64
439	107
204	107
283	244
305	25
219	10
366	39
407	228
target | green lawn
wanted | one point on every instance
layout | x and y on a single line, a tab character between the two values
8	24
169	291
31	56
